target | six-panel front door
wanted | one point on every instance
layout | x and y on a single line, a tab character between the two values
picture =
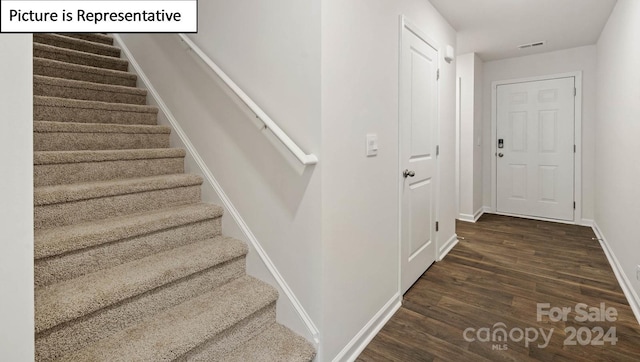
418	136
535	151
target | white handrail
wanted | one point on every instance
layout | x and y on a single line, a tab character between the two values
305	159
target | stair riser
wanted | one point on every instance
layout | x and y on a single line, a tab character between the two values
68	266
69	72
216	348
84	59
100	208
68	173
96	38
56	141
84	115
76	45
70	336
50	90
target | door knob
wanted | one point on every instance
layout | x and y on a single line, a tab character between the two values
500	154
407	173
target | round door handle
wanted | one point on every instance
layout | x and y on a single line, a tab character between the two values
500	154
407	173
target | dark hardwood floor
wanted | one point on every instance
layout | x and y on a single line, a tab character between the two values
499	273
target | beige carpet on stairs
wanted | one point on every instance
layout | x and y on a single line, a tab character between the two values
130	265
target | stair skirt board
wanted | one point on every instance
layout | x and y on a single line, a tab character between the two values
129	263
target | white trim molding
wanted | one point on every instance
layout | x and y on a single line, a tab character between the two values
447	247
360	341
213	183
568	222
625	283
577	171
472	218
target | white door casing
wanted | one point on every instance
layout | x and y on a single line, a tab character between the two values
535	167
418	126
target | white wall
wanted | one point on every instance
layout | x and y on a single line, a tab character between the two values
563	61
16	198
469	71
617	194
272	51
360	55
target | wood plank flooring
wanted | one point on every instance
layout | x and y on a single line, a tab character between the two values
499	273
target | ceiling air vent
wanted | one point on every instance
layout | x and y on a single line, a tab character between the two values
531	45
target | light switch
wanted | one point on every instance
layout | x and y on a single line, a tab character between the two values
372	145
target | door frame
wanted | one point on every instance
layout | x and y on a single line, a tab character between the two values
577	139
407	25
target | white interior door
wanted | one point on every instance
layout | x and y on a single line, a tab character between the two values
418	136
535	151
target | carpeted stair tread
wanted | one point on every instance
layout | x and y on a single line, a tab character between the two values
78	57
67	42
77	89
61	157
67	167
82	111
275	344
110	241
48	195
73	127
93	37
60	240
58	69
118	201
65	301
70	136
171	334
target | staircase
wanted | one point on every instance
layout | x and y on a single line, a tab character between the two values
130	265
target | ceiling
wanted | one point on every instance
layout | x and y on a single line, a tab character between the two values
494	28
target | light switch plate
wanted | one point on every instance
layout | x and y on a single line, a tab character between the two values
372	145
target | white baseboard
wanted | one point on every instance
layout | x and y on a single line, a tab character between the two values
466	218
230	209
353	349
568	222
446	248
472	218
625	283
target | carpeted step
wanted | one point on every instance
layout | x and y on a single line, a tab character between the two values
75	298
67	136
78	312
71	110
94	37
67	42
58	69
77	57
275	344
67	252
67	167
76	89
222	317
62	205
